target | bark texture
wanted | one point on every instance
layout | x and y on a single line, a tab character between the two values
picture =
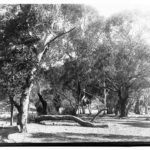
123	99
24	103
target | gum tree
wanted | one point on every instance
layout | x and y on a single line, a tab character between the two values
22	50
129	59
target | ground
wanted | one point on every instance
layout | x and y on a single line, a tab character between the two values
130	129
134	128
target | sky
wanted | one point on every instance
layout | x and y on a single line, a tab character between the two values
107	8
104	7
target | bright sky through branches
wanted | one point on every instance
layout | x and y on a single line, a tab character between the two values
107	8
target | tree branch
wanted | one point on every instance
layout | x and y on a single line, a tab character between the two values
68	117
15	103
52	40
97	114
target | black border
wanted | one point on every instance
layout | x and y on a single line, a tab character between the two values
89	144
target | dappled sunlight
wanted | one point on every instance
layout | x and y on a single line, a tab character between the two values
123	130
71	74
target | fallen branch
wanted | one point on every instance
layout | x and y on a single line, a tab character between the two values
97	114
67	117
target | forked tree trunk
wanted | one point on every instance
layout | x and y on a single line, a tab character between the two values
24	100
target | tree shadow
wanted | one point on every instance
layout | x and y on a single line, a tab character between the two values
5	131
57	123
137	124
78	137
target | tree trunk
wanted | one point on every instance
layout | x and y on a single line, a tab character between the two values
128	107
117	109
137	107
79	103
105	98
146	109
68	117
44	104
11	110
24	104
83	110
24	100
123	108
123	97
146	105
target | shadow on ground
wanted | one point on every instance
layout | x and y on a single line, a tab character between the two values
137	124
77	137
5	131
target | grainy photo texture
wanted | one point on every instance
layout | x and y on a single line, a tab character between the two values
74	74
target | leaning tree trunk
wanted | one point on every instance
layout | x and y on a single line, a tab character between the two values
24	100
98	114
44	104
24	104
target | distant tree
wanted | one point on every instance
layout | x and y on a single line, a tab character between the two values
129	59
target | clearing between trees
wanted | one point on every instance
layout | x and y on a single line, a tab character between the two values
135	128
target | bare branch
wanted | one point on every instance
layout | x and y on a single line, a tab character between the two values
52	40
41	55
